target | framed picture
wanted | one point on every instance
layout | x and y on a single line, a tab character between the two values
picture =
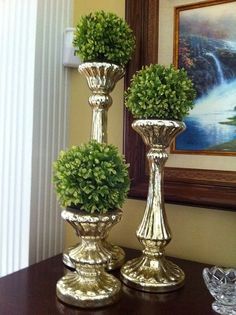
205	46
188	186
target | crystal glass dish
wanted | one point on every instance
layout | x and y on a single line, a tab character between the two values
221	283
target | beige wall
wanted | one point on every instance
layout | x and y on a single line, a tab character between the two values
198	234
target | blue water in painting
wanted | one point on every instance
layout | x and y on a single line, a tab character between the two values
203	124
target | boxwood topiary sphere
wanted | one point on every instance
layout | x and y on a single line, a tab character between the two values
92	177
102	36
159	92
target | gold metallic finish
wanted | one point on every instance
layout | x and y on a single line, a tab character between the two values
88	289
116	255
66	259
101	78
152	272
90	285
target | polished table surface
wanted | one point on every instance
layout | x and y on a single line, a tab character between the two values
32	291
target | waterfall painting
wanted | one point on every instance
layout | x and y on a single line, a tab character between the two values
205	46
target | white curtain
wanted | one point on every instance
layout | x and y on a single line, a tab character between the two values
33	128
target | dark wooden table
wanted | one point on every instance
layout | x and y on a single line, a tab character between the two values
32	291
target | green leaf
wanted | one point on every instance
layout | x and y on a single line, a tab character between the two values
160	92
104	36
100	188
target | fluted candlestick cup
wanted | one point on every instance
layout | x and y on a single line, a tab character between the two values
101	78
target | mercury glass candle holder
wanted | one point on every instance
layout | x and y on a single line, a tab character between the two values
152	272
90	285
101	79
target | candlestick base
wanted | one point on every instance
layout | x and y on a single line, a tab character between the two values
152	274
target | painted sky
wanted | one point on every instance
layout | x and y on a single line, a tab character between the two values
221	18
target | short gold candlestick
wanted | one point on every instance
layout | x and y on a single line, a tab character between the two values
90	285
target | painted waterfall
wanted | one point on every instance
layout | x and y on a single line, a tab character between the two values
207	50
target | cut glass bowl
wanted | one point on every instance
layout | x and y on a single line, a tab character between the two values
221	283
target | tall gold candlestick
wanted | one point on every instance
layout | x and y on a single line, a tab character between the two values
152	272
101	78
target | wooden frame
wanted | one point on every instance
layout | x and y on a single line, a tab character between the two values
196	187
205	57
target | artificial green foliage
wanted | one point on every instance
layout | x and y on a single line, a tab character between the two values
102	36
92	177
159	92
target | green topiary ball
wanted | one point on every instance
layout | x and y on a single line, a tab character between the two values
92	177
102	36
159	92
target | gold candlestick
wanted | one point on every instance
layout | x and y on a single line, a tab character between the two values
101	78
90	286
152	272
